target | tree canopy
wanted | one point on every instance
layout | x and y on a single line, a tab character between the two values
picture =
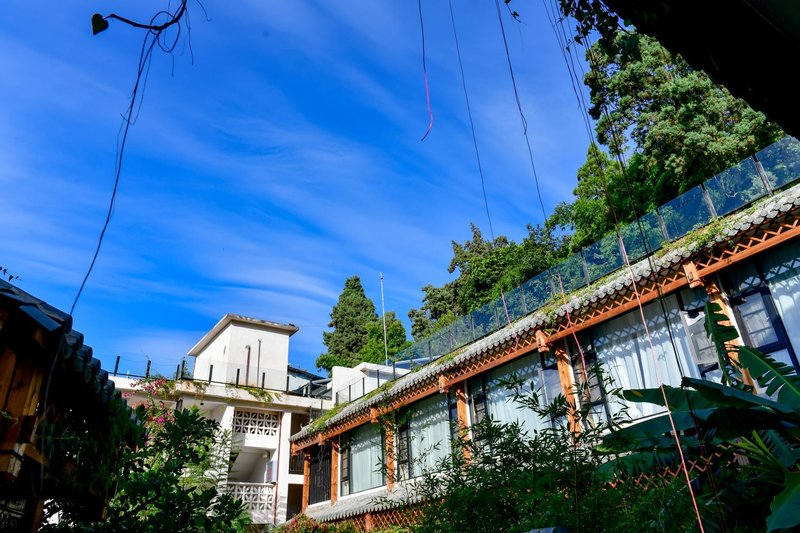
662	128
396	340
485	269
357	334
680	127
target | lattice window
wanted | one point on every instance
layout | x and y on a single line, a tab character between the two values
255	422
258	497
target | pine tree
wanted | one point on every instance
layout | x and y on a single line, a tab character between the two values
396	340
349	319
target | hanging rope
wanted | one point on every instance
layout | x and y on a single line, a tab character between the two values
654	272
425	72
471	122
478	157
536	182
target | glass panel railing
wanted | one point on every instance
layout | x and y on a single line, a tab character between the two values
572	274
781	162
485	319
603	257
642	237
728	191
685	213
735	187
515	304
537	291
462	329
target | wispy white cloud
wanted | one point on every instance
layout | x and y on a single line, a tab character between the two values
286	159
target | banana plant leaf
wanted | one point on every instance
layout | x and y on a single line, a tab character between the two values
786	505
774	376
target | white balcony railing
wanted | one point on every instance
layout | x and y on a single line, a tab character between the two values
258	497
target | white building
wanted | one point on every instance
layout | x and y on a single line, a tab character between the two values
242	379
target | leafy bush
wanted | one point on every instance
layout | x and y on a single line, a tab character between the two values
305	524
506	480
170	481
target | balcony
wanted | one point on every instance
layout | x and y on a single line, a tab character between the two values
259	498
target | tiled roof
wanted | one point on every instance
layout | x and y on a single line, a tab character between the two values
370	501
737	224
26	312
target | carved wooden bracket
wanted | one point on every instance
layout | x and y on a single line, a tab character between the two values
690	269
444	384
541	341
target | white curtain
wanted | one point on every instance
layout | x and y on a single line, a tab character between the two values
500	403
782	274
366	458
624	353
429	430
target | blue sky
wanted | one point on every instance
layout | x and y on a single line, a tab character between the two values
283	159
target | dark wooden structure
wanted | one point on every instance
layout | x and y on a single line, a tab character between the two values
746	45
61	421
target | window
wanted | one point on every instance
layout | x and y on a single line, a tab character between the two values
361	457
759	318
623	349
452	415
320	474
423	436
594	395
489	394
704	353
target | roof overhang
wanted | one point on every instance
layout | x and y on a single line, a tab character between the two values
746	45
230	318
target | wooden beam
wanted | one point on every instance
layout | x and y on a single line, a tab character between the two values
715	295
690	269
306	480
461	413
390	455
567	380
645	297
761	246
334	470
541	341
443	384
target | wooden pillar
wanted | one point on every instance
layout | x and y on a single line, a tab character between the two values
391	463
715	295
460	390
567	384
334	470
306	479
369	523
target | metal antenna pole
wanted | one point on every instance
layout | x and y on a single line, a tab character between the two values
383	313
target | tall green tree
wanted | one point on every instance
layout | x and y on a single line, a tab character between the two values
350	317
678	127
439	307
396	340
485	269
589	217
